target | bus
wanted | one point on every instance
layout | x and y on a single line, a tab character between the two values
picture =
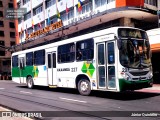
114	59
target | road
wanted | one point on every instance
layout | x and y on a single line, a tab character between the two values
68	104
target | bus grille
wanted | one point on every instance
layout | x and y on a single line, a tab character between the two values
143	78
139	73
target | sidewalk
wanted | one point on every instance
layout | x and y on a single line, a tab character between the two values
154	89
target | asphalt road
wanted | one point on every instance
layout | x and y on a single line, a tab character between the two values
68	104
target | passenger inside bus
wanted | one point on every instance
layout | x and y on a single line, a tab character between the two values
79	55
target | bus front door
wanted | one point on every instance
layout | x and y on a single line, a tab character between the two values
52	76
21	69
106	65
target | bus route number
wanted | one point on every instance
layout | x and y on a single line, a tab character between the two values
74	69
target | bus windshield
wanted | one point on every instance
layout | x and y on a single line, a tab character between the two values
134	48
135	53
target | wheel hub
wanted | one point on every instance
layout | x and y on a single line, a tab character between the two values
84	86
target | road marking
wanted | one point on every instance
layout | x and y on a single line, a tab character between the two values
2	88
72	100
25	92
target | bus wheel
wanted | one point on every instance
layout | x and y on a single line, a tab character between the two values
84	87
30	83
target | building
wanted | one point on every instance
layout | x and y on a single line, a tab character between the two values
79	17
7	36
94	15
154	36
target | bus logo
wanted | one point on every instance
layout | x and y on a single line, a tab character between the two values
88	68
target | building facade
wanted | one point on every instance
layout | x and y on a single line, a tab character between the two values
95	14
7	37
79	17
154	36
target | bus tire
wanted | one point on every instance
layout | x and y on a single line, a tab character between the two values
84	87
30	83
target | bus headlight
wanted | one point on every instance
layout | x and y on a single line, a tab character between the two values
125	76
150	75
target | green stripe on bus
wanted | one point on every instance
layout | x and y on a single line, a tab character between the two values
127	85
28	70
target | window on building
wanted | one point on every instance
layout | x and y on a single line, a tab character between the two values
29	59
10	5
29	30
27	16
99	3
11	25
151	2
1	13
2	43
36	27
38	10
86	8
6	62
64	16
50	3
25	1
18	5
66	53
2	33
1	24
12	34
19	20
2	52
39	26
110	1
53	20
84	50
1	4
71	14
39	57
12	43
43	24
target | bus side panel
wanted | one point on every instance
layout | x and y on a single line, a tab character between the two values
15	72
40	75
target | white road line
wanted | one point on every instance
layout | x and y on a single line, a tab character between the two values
25	92
2	88
72	100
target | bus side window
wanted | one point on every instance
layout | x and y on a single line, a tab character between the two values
84	49
66	53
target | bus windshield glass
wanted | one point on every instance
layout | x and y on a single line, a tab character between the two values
135	51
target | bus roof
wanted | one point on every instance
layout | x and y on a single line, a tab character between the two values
112	30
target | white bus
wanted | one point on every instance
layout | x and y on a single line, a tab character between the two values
113	59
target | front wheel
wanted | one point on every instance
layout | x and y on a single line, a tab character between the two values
84	87
30	83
